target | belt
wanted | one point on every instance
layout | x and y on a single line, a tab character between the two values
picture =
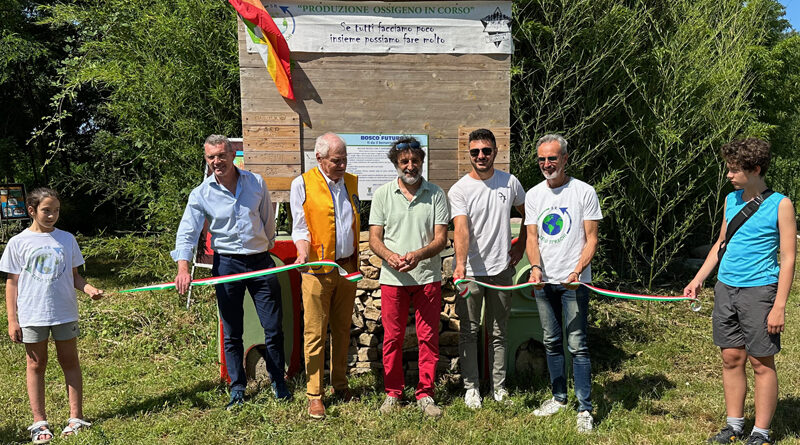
242	256
343	261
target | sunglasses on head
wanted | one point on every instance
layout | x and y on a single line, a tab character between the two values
548	158
485	150
406	145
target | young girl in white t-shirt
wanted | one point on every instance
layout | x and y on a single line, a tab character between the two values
42	265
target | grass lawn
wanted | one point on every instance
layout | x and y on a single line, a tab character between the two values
151	376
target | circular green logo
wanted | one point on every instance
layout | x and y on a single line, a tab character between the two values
552	224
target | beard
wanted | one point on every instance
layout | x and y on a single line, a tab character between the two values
553	175
403	175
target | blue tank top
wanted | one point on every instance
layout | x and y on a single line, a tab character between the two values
752	255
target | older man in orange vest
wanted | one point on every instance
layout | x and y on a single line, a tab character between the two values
326	225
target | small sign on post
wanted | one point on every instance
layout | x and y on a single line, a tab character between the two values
12	206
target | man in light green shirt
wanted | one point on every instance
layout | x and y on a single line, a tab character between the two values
408	228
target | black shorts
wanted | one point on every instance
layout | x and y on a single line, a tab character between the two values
740	318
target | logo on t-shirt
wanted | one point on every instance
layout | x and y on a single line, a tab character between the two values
555	224
502	196
46	263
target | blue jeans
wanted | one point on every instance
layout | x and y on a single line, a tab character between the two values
558	305
266	294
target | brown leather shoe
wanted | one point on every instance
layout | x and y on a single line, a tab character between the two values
316	409
344	395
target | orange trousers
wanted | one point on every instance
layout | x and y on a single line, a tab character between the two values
327	299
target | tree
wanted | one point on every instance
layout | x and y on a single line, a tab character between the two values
164	74
28	61
646	92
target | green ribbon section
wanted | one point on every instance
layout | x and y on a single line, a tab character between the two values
355	276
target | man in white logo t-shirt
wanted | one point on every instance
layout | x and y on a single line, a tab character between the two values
480	205
562	215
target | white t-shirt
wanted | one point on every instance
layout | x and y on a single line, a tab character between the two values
559	214
487	205
46	289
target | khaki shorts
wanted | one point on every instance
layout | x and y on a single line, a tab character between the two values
61	332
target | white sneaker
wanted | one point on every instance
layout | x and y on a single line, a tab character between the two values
549	408
585	422
501	395
428	407
389	405
473	399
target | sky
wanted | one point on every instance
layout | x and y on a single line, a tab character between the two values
793	12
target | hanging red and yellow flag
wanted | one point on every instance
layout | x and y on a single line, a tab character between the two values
268	41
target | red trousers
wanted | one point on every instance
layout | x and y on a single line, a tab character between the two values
395	301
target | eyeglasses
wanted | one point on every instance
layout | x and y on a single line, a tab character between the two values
547	158
406	145
485	150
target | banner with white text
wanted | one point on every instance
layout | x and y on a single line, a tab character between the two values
394	27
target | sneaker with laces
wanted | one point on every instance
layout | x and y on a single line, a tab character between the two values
585	422
237	399
428	407
759	439
549	408
501	396
389	405
473	399
727	435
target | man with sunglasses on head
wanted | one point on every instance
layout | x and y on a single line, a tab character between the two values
480	205
562	216
325	226
408	228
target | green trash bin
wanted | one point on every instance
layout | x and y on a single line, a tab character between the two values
523	322
253	334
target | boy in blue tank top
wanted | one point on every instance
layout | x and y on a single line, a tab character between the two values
751	291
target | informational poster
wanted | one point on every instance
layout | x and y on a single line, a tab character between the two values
367	158
394	27
12	201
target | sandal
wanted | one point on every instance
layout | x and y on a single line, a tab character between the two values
74	426
39	429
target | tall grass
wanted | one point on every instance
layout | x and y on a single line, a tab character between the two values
151	376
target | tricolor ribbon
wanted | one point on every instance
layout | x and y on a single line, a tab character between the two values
353	277
695	305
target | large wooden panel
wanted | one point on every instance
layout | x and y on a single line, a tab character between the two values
270	144
270	157
277	170
271	141
291	132
279	196
438	148
433	94
270	118
449	62
277	184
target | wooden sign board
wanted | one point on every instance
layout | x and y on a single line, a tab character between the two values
271	141
442	95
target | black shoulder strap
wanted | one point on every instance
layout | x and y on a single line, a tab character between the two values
740	218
